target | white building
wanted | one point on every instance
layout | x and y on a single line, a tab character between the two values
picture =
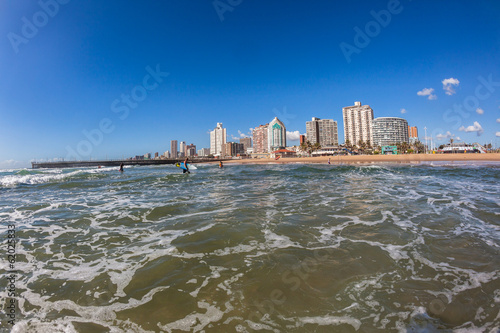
276	135
182	149
389	131
204	152
324	131
217	139
358	123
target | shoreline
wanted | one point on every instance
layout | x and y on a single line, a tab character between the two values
407	158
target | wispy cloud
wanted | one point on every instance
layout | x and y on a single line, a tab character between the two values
403	111
479	111
497	134
476	127
498	120
292	135
427	92
448	85
11	164
245	135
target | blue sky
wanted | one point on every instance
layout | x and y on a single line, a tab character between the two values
134	75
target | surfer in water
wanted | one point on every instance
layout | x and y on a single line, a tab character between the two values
186	166
121	167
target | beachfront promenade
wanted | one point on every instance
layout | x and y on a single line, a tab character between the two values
108	163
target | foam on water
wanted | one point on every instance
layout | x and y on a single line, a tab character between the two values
256	248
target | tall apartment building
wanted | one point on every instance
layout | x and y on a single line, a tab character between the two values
173	149
413	133
217	139
389	131
260	141
277	135
358	123
232	149
204	152
247	143
323	131
191	150
182	149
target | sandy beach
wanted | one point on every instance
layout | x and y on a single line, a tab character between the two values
408	158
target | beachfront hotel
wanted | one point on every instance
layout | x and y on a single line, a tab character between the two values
322	131
276	135
389	131
358	123
217	139
260	141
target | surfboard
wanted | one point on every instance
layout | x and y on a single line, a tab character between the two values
181	165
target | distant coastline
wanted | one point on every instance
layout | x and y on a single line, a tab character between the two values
406	158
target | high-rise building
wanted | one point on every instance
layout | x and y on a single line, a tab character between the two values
204	152
166	154
173	149
276	135
182	149
247	143
217	139
358	123
191	150
302	139
232	149
323	131
413	133
260	142
389	131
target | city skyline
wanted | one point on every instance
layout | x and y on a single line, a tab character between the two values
96	80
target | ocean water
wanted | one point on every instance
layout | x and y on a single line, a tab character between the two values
253	248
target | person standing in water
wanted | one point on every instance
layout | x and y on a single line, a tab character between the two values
121	167
186	166
220	164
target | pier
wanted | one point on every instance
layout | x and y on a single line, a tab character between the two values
108	163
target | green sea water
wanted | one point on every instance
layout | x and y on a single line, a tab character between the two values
253	248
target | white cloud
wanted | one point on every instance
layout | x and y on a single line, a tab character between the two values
427	92
448	135
447	85
243	135
403	111
479	111
497	134
498	120
473	128
12	164
292	136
